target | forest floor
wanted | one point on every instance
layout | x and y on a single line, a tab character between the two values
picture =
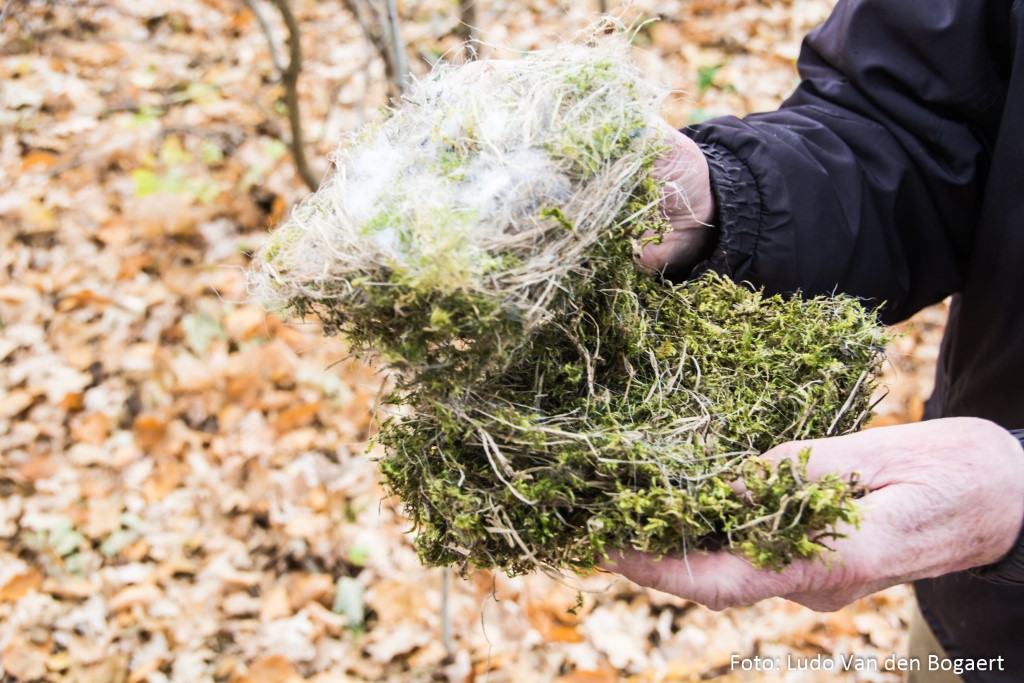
185	492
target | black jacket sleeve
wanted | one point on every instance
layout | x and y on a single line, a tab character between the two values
869	178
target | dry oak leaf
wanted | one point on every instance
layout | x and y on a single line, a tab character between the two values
69	587
166	213
272	669
103	518
696	669
496	662
91	429
37	468
190	374
296	416
166	477
620	632
221	569
18	294
73	402
333	623
396	600
131	266
241	604
39	159
278	361
553	622
431	654
81	298
276	604
245	323
7	347
21	584
24	660
149	430
306	588
15	402
608	675
143	671
388	643
111	669
142	594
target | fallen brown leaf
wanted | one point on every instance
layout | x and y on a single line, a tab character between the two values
167	476
296	416
91	429
149	430
131	596
38	159
15	402
21	584
276	604
273	669
245	322
74	588
24	660
305	588
38	468
144	670
590	676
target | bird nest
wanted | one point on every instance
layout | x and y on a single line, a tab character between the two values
553	400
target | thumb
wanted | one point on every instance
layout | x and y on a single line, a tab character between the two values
863	456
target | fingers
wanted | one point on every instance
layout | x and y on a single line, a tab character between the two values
716	580
930	510
859	564
886	456
677	249
865	454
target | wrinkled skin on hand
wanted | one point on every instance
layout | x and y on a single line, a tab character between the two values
688	204
943	496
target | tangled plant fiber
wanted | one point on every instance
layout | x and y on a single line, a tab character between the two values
552	399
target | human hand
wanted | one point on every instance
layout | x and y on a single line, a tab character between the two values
943	496
688	204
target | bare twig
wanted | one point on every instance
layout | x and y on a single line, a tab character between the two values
275	56
446	615
602	5
467	29
397	46
7	9
290	81
376	24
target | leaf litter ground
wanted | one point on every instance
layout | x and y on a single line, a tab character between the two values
185	495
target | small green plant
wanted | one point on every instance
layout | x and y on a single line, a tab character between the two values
553	400
706	77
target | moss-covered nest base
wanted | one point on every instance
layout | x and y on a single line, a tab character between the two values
552	399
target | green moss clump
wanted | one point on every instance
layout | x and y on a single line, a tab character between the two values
552	399
635	422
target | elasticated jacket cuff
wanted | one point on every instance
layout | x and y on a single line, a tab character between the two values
738	216
1010	569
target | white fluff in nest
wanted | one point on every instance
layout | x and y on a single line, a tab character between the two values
449	192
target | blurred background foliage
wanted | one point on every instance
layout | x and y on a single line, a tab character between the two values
184	489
